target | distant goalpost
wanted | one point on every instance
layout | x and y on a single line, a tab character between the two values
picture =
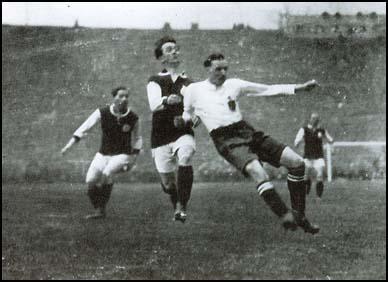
329	148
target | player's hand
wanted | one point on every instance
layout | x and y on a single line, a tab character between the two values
174	99
131	164
179	122
309	85
63	151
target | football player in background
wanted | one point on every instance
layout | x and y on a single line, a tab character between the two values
120	145
172	148
313	135
214	101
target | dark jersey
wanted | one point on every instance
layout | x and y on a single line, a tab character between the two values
163	129
116	132
313	148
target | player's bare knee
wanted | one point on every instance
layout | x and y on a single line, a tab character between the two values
297	162
168	187
185	161
106	177
319	175
92	181
168	182
185	155
255	170
290	159
91	185
298	169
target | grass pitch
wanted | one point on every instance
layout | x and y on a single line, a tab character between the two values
229	234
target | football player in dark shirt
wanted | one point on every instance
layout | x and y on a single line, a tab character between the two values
313	135
121	143
172	148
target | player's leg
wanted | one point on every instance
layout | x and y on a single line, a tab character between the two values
93	180
308	175
296	186
266	190
295	178
166	165
185	149
168	183
232	143
319	167
116	164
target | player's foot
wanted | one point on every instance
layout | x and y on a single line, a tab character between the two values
183	216
288	221
180	216
98	214
307	226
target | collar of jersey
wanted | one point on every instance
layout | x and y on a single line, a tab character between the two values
311	127
118	115
213	87
165	72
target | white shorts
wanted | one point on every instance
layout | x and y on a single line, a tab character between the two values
165	156
108	165
315	163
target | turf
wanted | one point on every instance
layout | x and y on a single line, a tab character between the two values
229	234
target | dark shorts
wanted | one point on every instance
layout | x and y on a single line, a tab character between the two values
239	143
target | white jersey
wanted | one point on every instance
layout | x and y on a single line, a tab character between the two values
213	104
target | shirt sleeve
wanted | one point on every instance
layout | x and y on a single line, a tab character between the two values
92	120
136	138
299	137
155	99
188	103
257	89
328	137
183	90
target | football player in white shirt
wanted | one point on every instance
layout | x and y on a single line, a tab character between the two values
120	145
214	101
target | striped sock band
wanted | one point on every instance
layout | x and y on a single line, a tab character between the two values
264	186
295	178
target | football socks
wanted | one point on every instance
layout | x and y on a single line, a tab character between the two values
93	194
319	188
297	188
185	184
273	200
105	192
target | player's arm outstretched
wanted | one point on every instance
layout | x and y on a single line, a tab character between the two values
92	120
307	86
257	89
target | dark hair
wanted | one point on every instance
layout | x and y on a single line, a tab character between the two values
117	89
159	44
213	57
